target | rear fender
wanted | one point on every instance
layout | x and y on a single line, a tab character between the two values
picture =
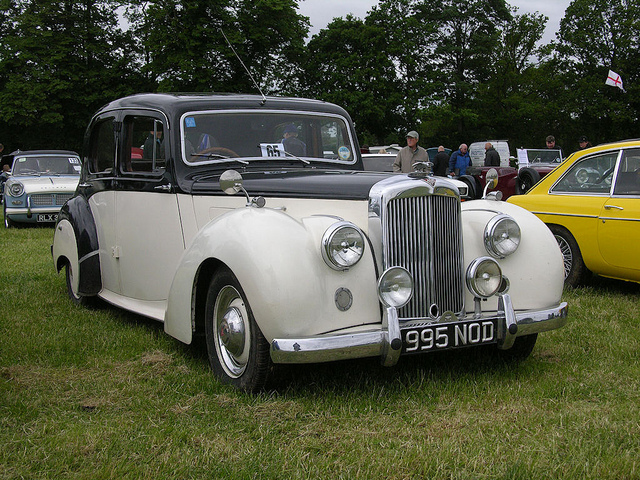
75	240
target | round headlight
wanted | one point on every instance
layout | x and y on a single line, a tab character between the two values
395	287
501	236
484	277
342	245
16	189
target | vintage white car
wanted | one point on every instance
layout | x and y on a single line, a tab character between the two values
41	181
251	221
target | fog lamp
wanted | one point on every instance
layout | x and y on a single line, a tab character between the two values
484	277
395	287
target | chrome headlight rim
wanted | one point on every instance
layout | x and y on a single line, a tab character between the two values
502	236
395	287
335	236
480	273
15	189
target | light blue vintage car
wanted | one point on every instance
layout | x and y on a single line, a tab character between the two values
41	182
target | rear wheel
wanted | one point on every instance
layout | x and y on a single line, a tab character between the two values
237	350
72	291
575	271
527	178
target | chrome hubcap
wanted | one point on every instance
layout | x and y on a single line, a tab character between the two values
232	331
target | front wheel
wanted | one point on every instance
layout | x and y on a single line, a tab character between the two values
521	349
8	223
575	270
237	350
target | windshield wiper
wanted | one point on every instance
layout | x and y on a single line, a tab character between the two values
306	162
217	155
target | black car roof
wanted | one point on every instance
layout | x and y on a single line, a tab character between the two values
178	103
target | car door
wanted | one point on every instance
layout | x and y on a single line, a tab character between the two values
619	225
98	187
148	239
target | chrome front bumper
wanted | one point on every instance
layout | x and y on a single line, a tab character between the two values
386	342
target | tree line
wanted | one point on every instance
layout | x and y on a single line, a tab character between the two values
454	70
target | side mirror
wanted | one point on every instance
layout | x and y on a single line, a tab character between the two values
491	181
231	182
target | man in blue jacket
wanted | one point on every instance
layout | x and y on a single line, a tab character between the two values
459	161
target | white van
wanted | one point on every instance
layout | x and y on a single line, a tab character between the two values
476	152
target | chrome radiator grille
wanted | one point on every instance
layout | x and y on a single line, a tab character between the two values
423	234
46	199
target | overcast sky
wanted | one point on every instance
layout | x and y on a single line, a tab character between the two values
321	12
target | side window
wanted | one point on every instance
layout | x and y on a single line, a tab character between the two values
628	180
102	148
590	175
143	145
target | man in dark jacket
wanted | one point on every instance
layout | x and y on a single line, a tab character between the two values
491	156
440	162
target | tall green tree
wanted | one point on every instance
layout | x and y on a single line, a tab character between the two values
508	100
347	63
184	46
596	36
465	46
61	61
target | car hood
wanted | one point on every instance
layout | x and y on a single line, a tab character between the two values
47	183
333	184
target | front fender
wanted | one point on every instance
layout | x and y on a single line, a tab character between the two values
278	262
535	271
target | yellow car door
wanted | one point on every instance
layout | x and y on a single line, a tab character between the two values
619	222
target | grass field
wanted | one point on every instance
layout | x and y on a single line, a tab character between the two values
103	394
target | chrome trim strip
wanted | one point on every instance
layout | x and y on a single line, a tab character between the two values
376	342
565	214
621	219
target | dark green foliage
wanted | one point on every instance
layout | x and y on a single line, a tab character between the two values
456	71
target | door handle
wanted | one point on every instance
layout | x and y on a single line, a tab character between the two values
613	207
163	188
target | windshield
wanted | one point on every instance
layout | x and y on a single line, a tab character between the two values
232	136
544	155
46	165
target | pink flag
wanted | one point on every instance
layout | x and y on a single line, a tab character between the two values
615	81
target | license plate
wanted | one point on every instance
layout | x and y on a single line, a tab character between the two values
47	217
447	336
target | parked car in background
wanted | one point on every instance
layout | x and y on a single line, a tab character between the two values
534	164
591	203
41	182
277	257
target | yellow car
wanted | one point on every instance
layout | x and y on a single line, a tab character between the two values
591	203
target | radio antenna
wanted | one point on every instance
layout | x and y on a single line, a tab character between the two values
264	99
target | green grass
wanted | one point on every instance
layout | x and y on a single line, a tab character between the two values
104	394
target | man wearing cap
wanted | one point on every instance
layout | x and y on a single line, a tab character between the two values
292	144
584	142
410	154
